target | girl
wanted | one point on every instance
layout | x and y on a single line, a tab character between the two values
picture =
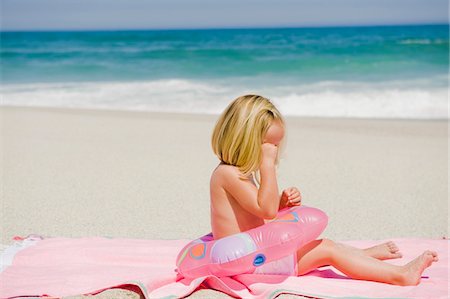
246	139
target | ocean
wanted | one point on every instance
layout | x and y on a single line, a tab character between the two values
363	72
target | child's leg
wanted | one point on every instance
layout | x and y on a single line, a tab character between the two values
383	251
359	266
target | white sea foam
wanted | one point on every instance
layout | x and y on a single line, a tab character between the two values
423	41
417	99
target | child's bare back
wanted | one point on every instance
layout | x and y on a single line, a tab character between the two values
227	215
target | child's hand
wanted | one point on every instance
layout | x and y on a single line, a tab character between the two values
292	197
269	153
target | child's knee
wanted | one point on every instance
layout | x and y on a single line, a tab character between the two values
326	247
327	243
329	246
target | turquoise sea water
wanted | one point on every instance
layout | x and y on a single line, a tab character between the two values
343	71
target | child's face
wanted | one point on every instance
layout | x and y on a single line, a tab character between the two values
275	133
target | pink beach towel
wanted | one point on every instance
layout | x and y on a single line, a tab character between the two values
57	267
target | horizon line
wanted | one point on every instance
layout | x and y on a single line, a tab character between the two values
222	28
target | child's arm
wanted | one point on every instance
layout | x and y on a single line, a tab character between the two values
268	189
262	202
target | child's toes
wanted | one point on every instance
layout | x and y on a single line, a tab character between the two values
435	256
392	247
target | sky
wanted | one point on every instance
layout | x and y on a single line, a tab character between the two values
184	14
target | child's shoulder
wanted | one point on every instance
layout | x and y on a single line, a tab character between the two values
223	171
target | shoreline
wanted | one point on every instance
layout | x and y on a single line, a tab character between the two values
205	115
84	172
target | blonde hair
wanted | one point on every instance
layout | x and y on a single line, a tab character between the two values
240	129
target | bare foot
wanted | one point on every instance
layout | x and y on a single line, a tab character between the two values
384	251
414	269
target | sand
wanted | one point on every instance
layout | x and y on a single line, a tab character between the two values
78	172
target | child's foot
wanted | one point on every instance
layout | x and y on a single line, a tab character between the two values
414	269
384	251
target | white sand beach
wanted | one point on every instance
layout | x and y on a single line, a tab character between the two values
75	172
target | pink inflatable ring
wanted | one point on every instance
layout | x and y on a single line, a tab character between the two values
243	252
